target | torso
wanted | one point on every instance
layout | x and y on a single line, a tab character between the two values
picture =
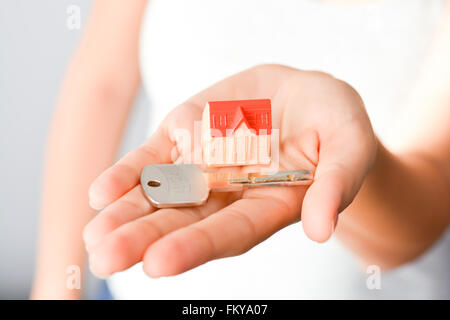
377	47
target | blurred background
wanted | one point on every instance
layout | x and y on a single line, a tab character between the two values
35	47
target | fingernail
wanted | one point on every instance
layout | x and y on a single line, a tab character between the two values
333	224
150	272
92	203
92	258
95	206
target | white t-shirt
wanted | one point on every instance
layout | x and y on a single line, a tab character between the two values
378	48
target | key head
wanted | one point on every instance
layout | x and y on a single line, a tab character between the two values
170	185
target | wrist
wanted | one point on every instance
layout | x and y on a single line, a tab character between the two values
400	210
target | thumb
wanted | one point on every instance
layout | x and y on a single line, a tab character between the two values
343	164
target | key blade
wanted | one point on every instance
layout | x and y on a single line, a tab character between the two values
281	178
232	181
169	185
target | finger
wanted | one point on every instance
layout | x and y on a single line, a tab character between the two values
321	206
231	231
126	245
124	175
343	163
254	83
131	206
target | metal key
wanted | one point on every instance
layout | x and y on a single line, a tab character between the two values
186	185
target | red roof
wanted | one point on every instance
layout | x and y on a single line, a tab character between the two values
229	115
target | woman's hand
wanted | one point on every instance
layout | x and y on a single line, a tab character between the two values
323	127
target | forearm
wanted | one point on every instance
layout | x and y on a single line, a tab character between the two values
400	211
85	134
91	114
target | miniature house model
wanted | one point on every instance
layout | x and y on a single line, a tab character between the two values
236	133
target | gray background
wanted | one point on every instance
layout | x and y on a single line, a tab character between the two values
35	46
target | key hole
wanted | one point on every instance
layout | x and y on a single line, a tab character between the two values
154	183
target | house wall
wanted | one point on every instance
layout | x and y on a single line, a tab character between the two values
244	147
237	150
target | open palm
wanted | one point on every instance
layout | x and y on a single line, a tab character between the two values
323	127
